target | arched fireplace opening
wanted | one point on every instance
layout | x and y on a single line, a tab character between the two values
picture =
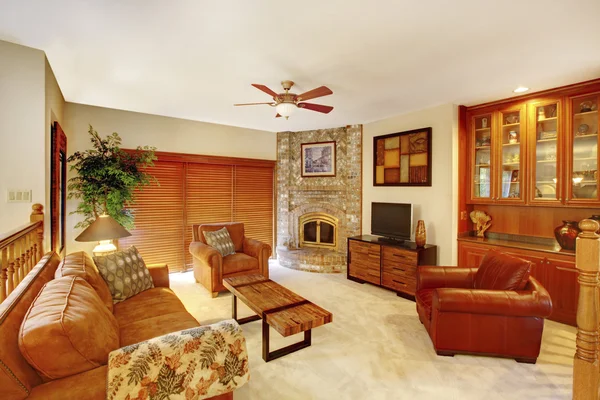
318	230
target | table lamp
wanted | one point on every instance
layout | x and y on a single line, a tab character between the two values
103	230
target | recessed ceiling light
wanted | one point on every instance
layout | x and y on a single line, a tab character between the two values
521	89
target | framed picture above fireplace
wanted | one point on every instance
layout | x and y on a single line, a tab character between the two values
402	158
318	159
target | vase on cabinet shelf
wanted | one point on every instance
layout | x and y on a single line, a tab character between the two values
566	234
420	234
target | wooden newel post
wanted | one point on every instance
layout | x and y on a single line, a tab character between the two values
586	365
37	214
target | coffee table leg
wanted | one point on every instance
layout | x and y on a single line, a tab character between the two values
234	312
272	355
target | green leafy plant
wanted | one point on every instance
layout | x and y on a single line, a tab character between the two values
107	177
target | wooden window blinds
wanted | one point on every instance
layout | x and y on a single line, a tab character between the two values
195	190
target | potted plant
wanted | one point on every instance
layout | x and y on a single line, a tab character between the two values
107	177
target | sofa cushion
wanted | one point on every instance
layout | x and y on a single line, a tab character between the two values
221	241
150	303
89	385
67	329
235	229
125	273
499	271
81	264
238	262
156	326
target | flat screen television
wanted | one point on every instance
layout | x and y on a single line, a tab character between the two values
392	220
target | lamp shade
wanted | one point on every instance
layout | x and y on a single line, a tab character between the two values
103	228
285	109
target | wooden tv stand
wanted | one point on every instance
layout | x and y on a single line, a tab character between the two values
384	262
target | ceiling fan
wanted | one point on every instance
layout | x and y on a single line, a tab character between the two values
286	103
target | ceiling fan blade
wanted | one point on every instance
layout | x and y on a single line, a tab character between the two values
313	94
316	107
266	90
252	104
278	116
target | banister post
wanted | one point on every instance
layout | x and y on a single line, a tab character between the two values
37	214
585	364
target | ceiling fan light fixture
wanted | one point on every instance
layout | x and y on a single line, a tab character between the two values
285	109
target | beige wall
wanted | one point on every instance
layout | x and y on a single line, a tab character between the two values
436	205
22	130
164	133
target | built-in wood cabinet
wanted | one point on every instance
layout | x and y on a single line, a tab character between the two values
386	263
582	149
546	163
536	150
554	270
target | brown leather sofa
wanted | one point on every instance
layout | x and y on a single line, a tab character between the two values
462	317
152	313
251	257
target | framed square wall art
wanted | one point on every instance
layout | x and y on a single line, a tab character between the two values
318	159
402	159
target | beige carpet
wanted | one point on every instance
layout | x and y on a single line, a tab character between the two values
376	348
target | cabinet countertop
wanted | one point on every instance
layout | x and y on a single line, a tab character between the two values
518	245
390	242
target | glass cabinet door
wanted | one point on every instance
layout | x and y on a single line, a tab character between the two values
584	156
511	131
545	176
482	151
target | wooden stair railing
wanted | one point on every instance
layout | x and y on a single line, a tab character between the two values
20	250
586	364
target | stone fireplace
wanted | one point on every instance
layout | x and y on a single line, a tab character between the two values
315	216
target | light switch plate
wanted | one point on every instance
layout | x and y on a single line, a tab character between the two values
18	196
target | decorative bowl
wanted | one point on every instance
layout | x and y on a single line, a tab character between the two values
583	129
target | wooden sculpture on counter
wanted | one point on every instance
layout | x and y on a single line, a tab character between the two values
482	220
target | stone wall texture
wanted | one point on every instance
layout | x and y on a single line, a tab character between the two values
339	196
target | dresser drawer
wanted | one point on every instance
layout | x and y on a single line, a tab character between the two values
399	255
366	274
396	268
399	283
371	260
364	248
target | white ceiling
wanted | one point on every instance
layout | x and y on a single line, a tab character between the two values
193	59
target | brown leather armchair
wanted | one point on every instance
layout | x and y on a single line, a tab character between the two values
463	316
251	257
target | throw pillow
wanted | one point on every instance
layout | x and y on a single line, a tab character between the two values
125	273
499	271
221	241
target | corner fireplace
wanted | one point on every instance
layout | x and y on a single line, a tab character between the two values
318	230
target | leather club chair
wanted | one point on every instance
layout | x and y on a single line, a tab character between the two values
251	257
497	309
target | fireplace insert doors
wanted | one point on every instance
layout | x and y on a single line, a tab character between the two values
318	230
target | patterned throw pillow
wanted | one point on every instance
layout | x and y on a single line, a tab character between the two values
125	273
221	241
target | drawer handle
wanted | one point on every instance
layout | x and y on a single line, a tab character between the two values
567	269
402	283
399	269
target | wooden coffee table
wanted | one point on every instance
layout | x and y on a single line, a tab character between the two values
278	307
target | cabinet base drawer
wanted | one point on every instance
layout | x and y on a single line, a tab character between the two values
400	269
366	274
392	254
364	248
399	283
